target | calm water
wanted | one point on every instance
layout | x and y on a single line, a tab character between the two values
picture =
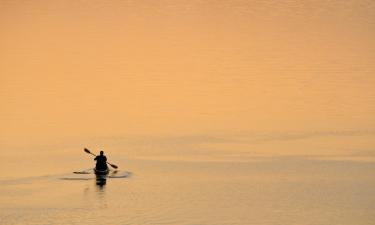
279	191
220	112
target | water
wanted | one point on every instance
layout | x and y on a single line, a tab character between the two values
216	112
278	191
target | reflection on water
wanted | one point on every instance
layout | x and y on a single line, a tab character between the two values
101	181
101	192
100	187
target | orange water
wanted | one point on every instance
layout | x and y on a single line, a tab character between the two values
227	112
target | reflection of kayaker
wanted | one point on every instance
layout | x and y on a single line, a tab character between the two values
101	162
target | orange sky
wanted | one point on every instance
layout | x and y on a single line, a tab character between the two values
99	68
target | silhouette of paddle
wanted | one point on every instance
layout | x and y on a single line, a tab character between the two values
88	151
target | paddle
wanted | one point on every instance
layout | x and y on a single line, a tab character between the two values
88	151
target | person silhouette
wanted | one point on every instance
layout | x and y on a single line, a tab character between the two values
101	161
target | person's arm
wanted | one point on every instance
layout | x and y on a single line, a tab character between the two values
96	158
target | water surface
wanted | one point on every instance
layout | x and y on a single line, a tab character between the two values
224	112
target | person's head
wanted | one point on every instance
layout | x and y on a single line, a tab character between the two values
101	153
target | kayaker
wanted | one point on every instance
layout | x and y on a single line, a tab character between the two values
101	161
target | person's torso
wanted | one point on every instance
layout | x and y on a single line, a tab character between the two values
101	159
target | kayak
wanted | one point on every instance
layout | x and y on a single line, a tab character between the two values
101	176
101	172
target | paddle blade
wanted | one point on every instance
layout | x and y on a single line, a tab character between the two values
87	151
114	166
